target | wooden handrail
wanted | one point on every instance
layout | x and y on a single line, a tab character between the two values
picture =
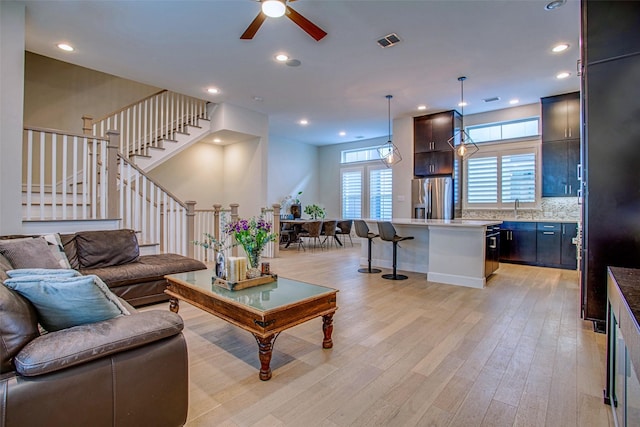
113	113
141	172
64	132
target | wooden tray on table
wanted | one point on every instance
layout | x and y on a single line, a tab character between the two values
244	284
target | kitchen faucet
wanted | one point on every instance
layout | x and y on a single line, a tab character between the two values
516	205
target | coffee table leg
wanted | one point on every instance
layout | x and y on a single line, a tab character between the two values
327	328
265	349
174	305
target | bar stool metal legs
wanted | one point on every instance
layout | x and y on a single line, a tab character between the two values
388	233
363	231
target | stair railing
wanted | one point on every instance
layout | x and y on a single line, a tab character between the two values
146	123
61	177
79	177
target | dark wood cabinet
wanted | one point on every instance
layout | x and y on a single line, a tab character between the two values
560	160
561	117
434	163
549	244
432	153
518	242
568	253
611	158
560	145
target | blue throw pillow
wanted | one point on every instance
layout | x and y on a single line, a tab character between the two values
63	302
57	272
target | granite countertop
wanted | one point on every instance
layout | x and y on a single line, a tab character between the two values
469	223
628	281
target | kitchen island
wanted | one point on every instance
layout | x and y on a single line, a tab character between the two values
447	251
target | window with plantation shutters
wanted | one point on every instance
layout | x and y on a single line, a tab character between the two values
352	193
496	179
482	180
519	178
380	193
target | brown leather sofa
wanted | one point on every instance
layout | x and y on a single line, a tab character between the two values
127	371
114	256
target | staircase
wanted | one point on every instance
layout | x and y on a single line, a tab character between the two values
155	128
97	180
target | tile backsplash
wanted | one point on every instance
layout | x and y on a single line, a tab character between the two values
551	208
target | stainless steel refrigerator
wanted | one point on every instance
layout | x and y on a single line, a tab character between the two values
432	198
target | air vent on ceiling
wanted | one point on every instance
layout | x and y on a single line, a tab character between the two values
389	40
494	99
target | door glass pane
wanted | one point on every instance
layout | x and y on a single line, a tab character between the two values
380	193
482	180
352	194
519	177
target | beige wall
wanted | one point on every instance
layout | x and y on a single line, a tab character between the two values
12	36
194	174
57	94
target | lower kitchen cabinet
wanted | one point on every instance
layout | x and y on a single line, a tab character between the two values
546	244
518	242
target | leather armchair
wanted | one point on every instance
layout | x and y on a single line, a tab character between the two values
127	371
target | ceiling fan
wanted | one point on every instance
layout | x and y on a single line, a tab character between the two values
309	27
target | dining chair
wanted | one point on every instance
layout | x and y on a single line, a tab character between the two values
388	232
311	231
344	229
329	228
362	230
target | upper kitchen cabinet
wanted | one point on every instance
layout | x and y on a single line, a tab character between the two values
614	33
561	117
432	153
432	132
560	161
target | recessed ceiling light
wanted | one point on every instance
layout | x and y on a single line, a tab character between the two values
560	47
514	101
304	122
555	4
281	57
65	47
462	104
213	90
422	107
217	140
563	75
342	133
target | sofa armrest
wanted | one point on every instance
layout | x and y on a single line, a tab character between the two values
80	344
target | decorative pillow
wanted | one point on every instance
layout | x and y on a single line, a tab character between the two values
18	326
5	266
106	248
55	245
63	302
42	272
28	253
69	245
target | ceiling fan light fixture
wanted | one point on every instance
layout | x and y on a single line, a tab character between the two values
273	8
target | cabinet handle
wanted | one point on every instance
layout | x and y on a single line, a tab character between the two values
547	226
493	244
563	229
579	171
565	189
569	132
548	232
569	189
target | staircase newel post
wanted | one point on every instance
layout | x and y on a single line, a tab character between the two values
113	200
234	218
276	229
191	231
87	125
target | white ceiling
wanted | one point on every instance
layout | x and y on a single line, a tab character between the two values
503	47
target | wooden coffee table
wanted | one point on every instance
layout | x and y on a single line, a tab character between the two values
264	310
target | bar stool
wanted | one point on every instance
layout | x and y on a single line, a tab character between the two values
388	233
363	231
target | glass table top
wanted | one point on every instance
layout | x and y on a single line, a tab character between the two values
264	297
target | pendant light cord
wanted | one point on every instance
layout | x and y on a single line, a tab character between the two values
389	116
461	80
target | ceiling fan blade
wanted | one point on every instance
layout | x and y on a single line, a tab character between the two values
253	28
309	27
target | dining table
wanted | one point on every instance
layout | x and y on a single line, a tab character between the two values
298	225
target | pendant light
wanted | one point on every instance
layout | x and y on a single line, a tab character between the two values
461	142
273	8
389	153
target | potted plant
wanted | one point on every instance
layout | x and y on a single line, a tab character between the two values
253	235
314	211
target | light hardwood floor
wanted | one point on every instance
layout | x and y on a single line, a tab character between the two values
408	353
